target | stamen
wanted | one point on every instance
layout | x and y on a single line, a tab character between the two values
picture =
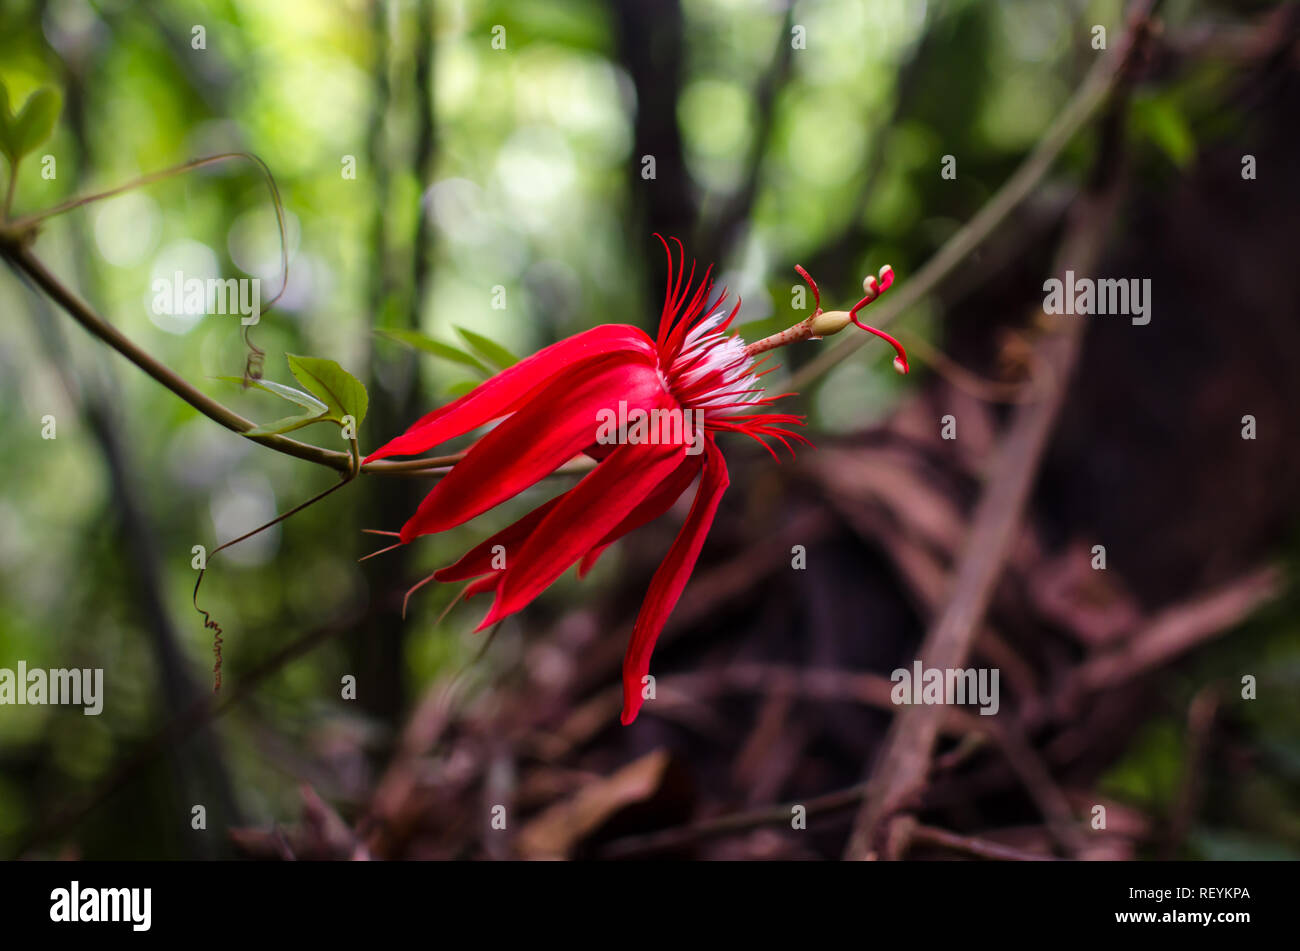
414	588
380	552
874	289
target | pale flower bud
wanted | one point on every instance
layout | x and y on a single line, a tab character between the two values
830	322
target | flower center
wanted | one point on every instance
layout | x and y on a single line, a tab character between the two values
713	371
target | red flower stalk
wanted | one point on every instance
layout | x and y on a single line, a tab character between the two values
551	406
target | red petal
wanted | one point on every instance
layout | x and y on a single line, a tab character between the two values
505	392
584	516
478	587
478	560
657	503
671	578
556	424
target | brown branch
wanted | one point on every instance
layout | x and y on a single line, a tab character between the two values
1092	93
900	771
903	765
1174	632
981	848
831	685
15	249
670	839
23	258
1037	780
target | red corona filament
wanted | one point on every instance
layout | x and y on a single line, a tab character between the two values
874	288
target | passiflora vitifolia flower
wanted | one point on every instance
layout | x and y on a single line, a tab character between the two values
558	404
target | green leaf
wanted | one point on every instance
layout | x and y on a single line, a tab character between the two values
489	350
419	341
344	394
316	410
34	123
1166	126
286	425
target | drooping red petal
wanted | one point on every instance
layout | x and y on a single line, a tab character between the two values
586	513
478	560
505	392
656	504
671	578
556	424
486	583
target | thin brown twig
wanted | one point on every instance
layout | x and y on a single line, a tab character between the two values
1037	781
901	770
902	767
30	221
211	625
1091	94
981	848
22	258
682	836
1174	631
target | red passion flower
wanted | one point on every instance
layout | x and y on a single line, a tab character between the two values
594	393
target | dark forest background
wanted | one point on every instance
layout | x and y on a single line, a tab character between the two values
809	133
